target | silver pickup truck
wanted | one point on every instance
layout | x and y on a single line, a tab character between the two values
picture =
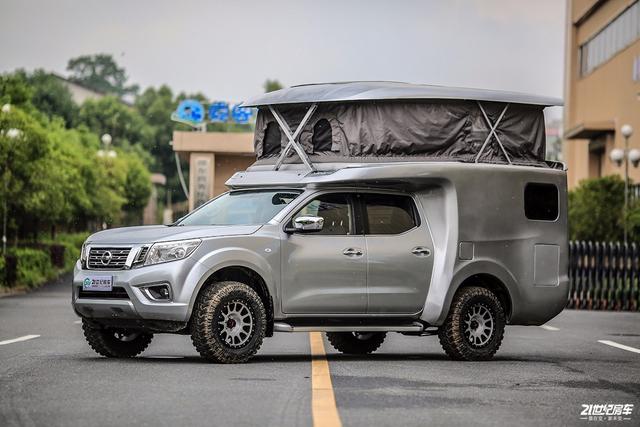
339	227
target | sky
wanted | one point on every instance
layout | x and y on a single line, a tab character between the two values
226	49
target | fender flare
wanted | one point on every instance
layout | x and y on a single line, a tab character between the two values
488	267
229	257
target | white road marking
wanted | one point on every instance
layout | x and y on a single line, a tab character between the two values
620	346
24	338
77	322
549	328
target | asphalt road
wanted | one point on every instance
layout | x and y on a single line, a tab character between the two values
539	377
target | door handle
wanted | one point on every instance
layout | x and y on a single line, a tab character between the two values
352	252
421	251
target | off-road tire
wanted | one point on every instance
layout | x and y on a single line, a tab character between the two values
206	333
104	341
452	332
356	342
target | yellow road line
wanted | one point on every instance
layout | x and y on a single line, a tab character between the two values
323	402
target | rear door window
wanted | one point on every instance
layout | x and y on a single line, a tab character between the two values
389	213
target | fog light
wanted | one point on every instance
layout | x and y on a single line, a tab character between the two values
157	292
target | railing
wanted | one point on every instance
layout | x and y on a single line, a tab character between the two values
604	276
634	191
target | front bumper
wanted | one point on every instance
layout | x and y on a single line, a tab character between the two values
136	305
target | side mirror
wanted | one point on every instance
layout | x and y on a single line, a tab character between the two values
306	224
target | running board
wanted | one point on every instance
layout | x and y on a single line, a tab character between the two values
285	327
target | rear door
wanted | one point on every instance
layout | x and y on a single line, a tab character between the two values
399	253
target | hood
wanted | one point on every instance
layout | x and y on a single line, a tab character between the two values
157	233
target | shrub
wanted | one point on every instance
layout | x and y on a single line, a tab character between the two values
72	243
34	266
595	209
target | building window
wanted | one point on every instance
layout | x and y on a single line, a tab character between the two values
321	138
541	201
618	34
271	142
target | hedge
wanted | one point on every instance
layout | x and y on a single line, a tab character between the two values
34	264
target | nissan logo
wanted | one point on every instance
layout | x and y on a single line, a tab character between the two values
105	259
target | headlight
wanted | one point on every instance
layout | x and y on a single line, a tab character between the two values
171	251
83	253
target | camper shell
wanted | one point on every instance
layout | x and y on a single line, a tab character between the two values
484	243
474	159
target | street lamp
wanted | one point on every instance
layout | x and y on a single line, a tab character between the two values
617	156
11	134
106	140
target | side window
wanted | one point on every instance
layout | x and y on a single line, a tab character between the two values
335	209
271	141
389	214
541	201
321	138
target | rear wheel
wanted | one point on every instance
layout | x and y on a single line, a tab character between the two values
228	323
116	342
474	327
356	342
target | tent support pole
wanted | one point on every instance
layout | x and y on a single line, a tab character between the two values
293	138
492	132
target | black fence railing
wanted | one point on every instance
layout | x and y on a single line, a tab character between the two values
634	191
604	276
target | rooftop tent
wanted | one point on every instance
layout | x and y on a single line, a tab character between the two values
395	121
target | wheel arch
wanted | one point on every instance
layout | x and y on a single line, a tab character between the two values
248	276
495	285
488	274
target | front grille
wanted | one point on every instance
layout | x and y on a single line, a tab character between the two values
141	255
107	258
117	292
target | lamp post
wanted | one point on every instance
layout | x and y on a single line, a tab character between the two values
106	140
12	135
619	155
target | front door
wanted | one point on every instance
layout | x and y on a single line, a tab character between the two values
325	271
399	254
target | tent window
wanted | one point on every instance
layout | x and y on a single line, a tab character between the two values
321	139
271	143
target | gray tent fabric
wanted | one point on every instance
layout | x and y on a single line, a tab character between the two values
438	130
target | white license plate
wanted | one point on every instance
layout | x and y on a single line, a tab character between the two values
98	283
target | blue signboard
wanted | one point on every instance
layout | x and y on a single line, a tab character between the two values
241	114
219	111
190	111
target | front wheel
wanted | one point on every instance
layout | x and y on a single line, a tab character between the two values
116	342
474	327
356	342
228	323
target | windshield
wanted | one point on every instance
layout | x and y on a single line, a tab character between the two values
242	208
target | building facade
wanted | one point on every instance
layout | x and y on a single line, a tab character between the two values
602	85
213	157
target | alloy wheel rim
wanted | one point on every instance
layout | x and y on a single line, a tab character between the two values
235	324
478	325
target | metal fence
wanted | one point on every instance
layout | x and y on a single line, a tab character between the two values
604	276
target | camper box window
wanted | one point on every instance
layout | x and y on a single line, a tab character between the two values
541	202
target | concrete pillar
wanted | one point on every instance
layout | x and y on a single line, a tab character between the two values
201	178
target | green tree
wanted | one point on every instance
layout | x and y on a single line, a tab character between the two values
596	209
101	73
24	147
15	89
271	85
51	97
124	124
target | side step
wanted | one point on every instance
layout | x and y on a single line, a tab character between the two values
285	327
